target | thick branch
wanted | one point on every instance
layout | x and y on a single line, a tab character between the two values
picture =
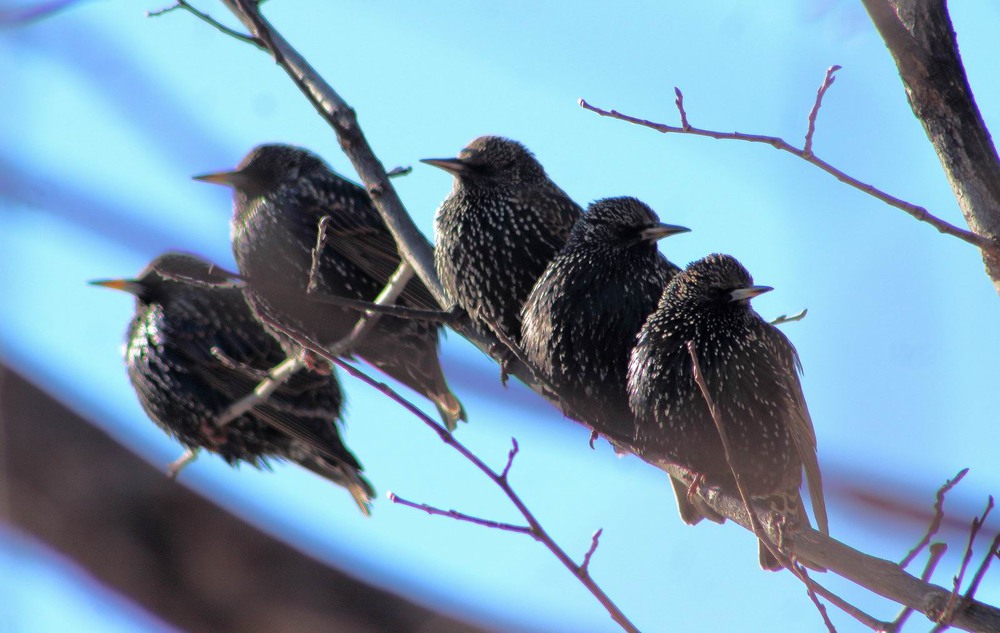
921	39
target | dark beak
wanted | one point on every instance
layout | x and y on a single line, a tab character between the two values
660	230
454	166
225	178
742	294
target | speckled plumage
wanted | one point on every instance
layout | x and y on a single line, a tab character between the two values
193	349
751	370
581	320
280	195
502	223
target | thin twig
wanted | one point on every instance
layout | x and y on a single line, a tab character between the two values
399	170
388	296
937	550
278	376
827	82
155	13
510	458
803	575
679	102
788	318
316	255
538	532
918	212
953	602
985	565
204	17
870	621
403	312
461	516
594	541
938	517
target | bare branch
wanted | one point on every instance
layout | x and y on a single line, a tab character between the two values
590	552
207	19
537	531
313	285
949	611
789	318
918	212
461	516
510	458
403	312
994	551
399	170
388	296
803	575
827	82
870	621
938	517
679	102
921	38
413	246
937	550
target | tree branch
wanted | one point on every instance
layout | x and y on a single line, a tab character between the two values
935	524
920	213
537	531
920	36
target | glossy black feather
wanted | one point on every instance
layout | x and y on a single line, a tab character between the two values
280	195
502	223
194	348
750	368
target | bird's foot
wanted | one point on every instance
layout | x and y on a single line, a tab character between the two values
176	466
316	363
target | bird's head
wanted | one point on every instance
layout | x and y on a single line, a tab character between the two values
493	160
267	167
155	280
622	222
719	280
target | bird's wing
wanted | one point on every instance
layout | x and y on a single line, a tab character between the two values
557	212
237	358
801	426
362	239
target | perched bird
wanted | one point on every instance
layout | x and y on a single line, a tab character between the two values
194	348
502	223
580	322
280	195
751	371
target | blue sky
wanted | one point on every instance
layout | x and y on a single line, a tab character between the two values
108	114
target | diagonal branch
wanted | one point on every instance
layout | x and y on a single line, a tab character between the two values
921	38
538	532
935	524
918	212
461	516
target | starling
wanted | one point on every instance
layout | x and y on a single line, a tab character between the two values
502	223
194	348
751	370
280	195
580	322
